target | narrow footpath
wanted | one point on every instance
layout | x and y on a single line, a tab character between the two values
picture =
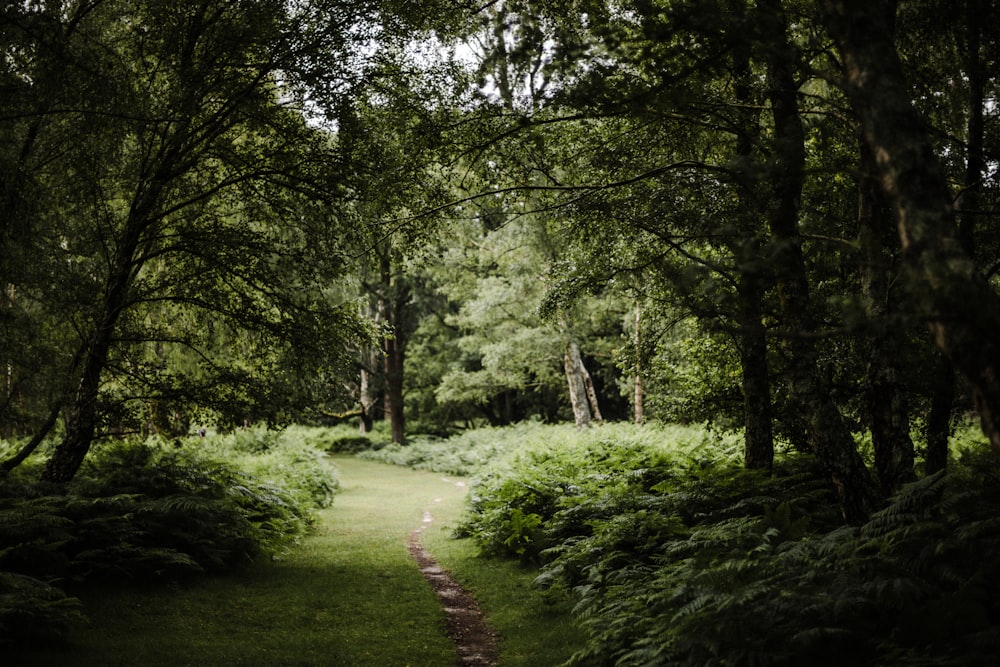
375	484
475	641
348	595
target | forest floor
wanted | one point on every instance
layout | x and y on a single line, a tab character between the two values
353	593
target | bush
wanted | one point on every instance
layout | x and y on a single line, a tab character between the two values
147	511
677	556
560	470
344	438
466	453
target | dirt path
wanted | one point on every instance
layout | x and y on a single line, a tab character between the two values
475	641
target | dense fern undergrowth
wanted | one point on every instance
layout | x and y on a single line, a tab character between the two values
157	510
674	555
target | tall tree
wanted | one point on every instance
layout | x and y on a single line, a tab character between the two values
961	309
830	438
195	185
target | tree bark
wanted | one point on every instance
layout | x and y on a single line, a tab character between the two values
758	429
884	397
588	383
35	441
830	438
962	310
758	438
939	415
573	364
82	420
967	205
394	301
638	397
367	402
393	362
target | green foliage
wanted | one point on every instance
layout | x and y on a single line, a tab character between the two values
675	555
466	453
34	611
155	510
554	476
343	438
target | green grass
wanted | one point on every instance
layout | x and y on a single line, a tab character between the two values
535	631
348	595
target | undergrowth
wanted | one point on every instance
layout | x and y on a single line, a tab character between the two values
147	511
675	555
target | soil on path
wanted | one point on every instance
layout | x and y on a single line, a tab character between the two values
475	641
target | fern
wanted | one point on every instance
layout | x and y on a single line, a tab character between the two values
153	511
33	611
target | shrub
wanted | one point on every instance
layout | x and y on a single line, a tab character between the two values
559	474
145	511
677	556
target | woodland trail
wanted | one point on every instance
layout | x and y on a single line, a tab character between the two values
349	595
475	643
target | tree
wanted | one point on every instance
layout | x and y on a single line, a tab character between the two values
961	309
197	209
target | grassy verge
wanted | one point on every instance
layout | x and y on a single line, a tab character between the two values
534	631
348	595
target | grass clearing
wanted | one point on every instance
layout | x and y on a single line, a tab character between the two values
348	595
535	631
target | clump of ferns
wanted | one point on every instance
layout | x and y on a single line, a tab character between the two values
137	512
916	585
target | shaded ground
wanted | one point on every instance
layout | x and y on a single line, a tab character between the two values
475	641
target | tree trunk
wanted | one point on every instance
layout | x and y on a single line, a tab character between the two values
367	402
939	415
394	357
758	428
638	396
33	444
82	420
578	398
962	310
758	438
967	205
394	298
884	399
588	383
968	201
830	438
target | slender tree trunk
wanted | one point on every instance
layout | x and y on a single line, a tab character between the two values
939	415
961	308
968	202
367	402
33	444
81	423
369	362
82	420
638	396
758	452
393	304
885	399
830	438
573	365
758	429
394	357
967	205
588	383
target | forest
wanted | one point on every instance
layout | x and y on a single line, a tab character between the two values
701	295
